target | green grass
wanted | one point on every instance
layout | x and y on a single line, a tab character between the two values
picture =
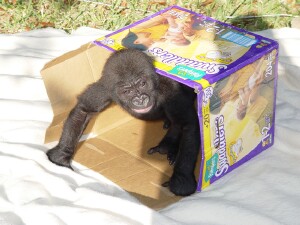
23	15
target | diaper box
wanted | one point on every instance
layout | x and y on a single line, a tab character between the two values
233	72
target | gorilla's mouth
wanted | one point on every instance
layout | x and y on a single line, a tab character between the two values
141	104
144	110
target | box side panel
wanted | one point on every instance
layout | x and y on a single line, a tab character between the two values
138	137
66	77
120	154
241	117
66	56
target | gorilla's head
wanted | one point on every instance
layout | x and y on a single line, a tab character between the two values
132	80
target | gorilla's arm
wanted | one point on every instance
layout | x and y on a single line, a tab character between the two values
94	99
181	143
183	180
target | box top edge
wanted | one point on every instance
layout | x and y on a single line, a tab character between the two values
206	80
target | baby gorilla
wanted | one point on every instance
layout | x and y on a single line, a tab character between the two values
129	79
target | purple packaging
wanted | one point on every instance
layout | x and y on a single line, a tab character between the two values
233	72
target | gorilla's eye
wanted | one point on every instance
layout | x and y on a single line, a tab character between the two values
127	91
142	83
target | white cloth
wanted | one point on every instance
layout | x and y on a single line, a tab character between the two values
266	190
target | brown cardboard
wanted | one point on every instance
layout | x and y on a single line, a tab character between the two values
119	147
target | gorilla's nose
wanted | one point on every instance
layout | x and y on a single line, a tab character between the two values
140	101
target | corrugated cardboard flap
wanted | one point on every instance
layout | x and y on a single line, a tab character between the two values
119	147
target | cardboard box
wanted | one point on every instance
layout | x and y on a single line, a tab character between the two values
233	72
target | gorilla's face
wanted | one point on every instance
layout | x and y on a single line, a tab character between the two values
132	80
137	95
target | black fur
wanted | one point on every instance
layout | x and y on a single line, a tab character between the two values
129	79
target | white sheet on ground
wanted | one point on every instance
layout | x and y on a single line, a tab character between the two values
265	190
